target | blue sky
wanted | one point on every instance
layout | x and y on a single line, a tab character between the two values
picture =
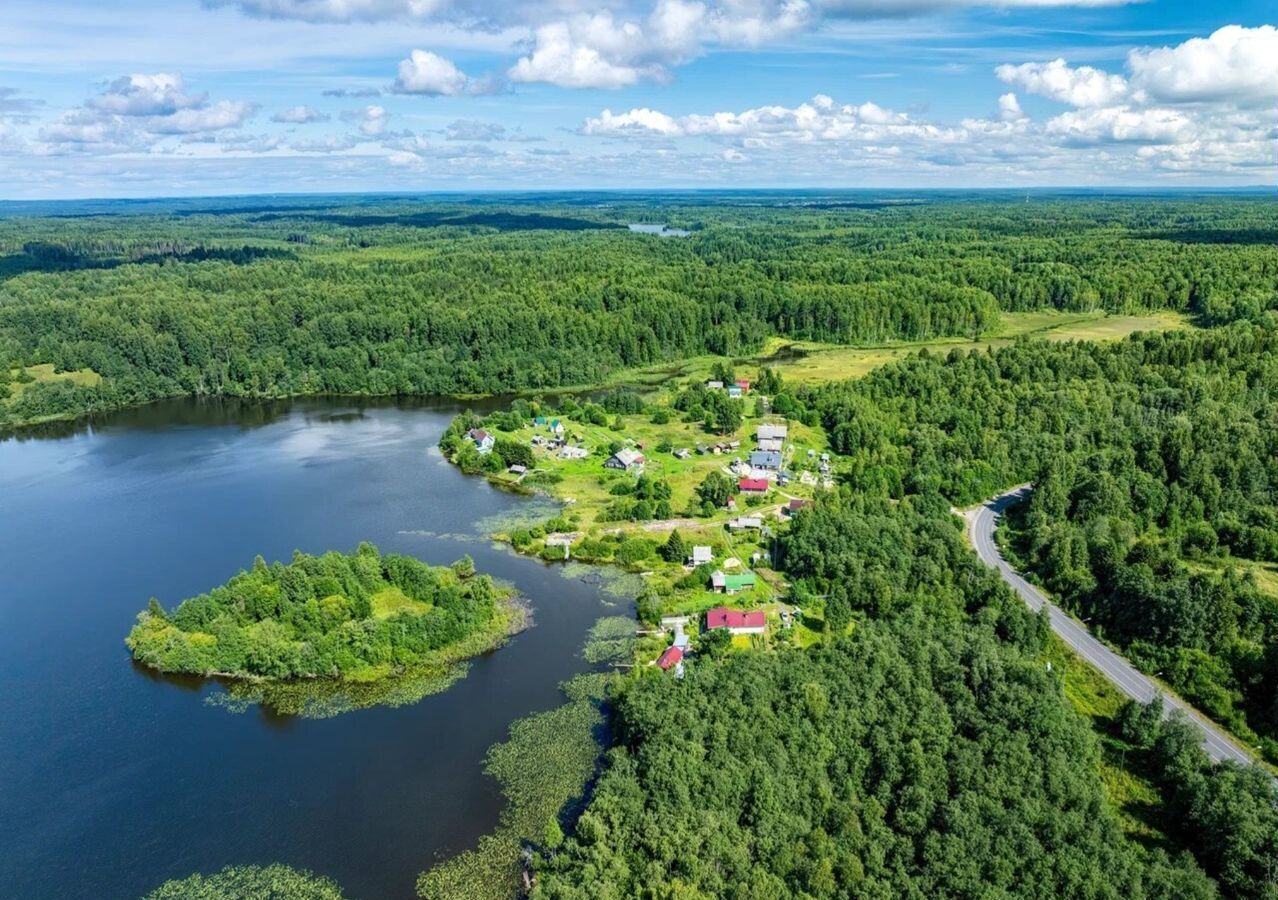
241	96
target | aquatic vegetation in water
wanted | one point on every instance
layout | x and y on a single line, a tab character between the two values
278	882
543	768
328	697
611	582
611	639
526	515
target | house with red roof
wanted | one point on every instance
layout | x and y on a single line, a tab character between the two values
795	505
671	658
482	439
753	485
736	621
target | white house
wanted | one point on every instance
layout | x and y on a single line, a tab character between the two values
624	458
482	439
700	556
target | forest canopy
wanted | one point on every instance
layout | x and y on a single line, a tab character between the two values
929	754
359	615
1155	511
398	298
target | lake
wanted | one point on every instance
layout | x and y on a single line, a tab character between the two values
113	779
658	229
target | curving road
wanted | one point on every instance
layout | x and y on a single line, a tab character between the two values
980	525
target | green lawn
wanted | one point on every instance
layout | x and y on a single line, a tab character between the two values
45	372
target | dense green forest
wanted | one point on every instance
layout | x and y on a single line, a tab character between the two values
929	754
403	297
1156	461
358	615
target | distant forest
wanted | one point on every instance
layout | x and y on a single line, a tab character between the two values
398	297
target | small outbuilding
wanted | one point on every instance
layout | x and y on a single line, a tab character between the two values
700	556
735	583
795	505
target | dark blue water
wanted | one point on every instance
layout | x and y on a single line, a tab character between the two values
113	780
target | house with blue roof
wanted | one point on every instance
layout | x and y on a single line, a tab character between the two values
765	459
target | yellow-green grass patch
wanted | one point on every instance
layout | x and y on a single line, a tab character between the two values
1265	573
392	600
44	372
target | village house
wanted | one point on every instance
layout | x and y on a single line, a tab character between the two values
539	421
700	556
753	485
714	385
557	427
672	657
482	440
769	460
624	459
742	523
735	583
795	505
564	540
573	453
734	391
771	432
744	384
774	445
736	621
682	453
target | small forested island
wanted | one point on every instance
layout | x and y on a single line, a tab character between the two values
359	617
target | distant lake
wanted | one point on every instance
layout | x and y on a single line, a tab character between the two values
662	230
113	779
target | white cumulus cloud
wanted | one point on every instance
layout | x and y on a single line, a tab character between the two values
1009	108
1233	64
1083	86
431	74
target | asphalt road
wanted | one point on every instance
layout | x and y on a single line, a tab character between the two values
1126	678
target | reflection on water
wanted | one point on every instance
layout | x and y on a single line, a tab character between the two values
114	779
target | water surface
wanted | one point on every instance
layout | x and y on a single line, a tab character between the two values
112	779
